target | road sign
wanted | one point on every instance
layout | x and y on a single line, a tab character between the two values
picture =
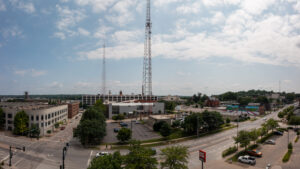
202	155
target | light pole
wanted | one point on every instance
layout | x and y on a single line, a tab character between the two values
11	154
237	131
64	156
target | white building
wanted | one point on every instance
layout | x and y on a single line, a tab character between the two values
41	114
130	108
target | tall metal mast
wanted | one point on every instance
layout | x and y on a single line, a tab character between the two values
103	72
147	69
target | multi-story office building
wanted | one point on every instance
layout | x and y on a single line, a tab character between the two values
73	109
91	99
41	114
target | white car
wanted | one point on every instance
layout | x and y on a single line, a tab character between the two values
247	159
99	154
270	142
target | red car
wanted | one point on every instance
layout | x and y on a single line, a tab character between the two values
255	153
62	128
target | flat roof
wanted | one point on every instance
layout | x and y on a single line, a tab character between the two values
27	105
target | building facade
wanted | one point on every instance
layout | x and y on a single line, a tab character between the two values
41	114
91	99
73	109
131	108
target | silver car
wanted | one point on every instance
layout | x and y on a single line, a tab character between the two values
270	142
247	159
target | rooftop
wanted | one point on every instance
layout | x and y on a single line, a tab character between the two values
26	105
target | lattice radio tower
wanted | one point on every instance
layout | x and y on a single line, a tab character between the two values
103	72
147	69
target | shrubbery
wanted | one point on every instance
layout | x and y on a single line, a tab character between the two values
229	151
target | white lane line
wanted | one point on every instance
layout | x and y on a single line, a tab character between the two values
89	160
5	158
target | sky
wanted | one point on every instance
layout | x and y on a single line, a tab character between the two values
207	46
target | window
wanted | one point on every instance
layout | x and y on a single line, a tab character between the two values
48	116
31	117
9	121
37	118
9	115
49	123
55	113
42	117
52	114
46	124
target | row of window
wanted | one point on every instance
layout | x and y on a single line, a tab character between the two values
48	116
51	122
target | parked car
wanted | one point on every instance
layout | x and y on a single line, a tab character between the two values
62	128
122	124
270	142
247	159
99	154
254	152
116	130
278	133
137	122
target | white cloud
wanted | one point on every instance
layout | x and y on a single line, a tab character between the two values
11	32
31	72
83	32
102	31
2	6
193	8
218	18
26	7
212	3
121	13
55	85
256	7
68	20
165	2
60	35
297	6
97	5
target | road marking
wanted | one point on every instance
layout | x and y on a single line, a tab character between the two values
89	160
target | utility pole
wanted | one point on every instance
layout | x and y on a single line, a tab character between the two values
198	127
64	156
237	131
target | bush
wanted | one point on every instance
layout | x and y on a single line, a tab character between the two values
165	130
290	146
297	138
287	156
49	131
227	120
124	135
56	125
254	146
229	151
176	124
263	139
282	129
157	125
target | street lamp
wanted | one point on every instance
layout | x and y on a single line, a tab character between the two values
63	156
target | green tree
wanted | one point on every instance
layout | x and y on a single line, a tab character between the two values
294	120
254	134
157	125
124	135
191	122
213	120
110	161
139	157
56	125
227	120
165	130
2	118
262	131
175	157
34	131
21	121
118	117
272	124
243	138
176	124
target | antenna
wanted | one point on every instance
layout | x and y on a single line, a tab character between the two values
147	67
103	72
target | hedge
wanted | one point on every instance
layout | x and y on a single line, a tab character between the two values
287	156
229	151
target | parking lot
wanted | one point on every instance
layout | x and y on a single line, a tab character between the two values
273	154
139	132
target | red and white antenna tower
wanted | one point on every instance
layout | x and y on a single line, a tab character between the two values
147	69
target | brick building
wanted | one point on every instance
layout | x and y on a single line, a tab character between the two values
73	109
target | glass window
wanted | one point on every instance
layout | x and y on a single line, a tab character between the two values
9	115
48	116
42	117
49	122
31	117
37	118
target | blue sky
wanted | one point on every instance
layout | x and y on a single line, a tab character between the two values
207	46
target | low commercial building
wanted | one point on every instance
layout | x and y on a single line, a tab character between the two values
129	109
91	99
41	114
73	109
157	118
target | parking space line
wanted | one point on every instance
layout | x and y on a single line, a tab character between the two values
89	160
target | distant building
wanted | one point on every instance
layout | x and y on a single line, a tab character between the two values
157	118
129	109
172	98
91	99
212	102
41	114
73	109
